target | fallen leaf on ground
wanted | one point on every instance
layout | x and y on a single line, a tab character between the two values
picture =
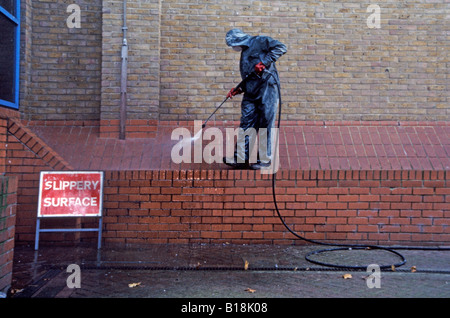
132	285
250	290
393	268
413	269
347	276
246	265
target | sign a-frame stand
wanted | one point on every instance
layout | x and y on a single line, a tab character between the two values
75	194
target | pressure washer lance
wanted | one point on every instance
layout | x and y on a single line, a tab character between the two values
252	74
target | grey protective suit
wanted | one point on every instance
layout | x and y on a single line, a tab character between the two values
260	101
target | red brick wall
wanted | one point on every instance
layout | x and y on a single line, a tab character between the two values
380	207
5	113
181	206
3	136
26	156
134	128
214	206
8	197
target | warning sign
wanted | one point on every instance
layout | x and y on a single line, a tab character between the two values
69	193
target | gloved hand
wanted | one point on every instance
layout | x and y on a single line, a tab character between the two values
259	68
234	92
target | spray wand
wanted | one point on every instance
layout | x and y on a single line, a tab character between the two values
252	74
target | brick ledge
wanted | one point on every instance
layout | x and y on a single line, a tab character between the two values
36	145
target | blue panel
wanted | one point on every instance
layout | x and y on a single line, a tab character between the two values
9	85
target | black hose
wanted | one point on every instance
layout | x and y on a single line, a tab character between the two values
337	247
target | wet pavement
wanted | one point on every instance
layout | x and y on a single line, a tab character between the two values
224	271
309	145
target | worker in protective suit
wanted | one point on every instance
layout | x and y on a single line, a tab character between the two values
260	101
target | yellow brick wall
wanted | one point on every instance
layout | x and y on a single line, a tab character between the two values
336	68
60	66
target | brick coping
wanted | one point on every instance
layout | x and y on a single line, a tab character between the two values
313	146
154	122
36	145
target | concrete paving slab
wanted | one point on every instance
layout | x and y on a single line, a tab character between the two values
224	271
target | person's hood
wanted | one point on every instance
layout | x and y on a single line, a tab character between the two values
236	37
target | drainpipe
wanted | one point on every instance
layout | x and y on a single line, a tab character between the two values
123	78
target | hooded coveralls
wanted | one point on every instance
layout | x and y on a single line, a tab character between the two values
260	102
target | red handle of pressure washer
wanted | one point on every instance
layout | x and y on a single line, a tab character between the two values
237	87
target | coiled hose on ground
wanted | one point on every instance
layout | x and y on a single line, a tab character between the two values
335	246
